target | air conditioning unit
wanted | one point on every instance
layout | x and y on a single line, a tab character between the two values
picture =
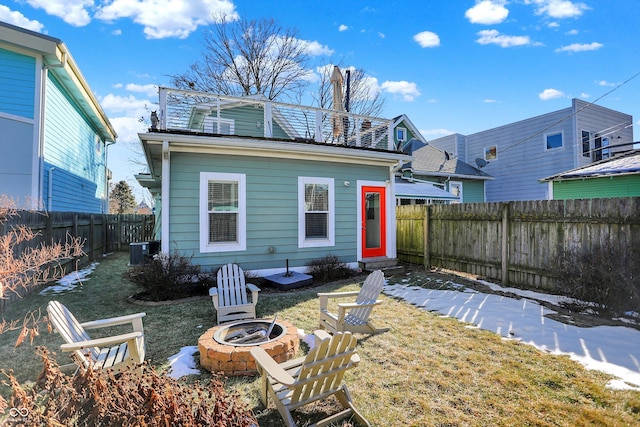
138	252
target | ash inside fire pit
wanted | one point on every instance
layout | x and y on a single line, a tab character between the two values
249	332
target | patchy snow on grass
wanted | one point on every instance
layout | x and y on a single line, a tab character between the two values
611	349
70	281
183	363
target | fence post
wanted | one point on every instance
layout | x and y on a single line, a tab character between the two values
425	238
505	244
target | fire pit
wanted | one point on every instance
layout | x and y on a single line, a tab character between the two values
226	348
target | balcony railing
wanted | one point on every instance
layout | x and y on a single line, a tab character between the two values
258	117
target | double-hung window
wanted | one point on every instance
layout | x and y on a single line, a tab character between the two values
316	216
222	212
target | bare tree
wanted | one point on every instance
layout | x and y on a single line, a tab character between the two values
249	57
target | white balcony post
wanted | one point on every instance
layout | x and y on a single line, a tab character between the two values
268	120
318	126
162	95
390	144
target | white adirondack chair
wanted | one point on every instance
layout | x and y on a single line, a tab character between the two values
316	376
230	297
353	316
116	352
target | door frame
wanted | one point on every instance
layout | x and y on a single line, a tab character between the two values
389	211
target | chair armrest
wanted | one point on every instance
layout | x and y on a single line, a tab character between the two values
213	291
346	305
102	342
271	367
113	321
338	294
252	287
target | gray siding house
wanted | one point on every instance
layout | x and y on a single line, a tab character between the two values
53	132
265	184
520	154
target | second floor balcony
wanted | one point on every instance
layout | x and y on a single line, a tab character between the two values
200	113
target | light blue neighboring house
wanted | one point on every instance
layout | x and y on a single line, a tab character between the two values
266	184
54	134
518	155
433	175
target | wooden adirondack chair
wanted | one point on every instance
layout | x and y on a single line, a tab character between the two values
115	352
316	376
230	296
354	316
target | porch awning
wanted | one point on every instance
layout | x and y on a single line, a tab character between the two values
422	191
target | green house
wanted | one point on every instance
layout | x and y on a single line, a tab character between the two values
618	176
266	185
433	175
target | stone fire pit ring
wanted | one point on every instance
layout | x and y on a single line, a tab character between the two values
216	355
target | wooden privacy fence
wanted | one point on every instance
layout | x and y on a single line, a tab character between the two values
101	233
517	242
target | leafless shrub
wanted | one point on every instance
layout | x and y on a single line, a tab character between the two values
94	398
598	279
329	268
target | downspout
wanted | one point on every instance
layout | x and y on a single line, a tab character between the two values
50	191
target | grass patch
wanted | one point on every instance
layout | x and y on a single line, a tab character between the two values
428	370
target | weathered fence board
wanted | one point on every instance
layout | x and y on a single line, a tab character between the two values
517	242
100	233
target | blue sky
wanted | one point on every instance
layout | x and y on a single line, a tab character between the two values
452	66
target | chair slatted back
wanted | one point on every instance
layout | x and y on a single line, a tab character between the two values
324	367
369	293
71	331
232	289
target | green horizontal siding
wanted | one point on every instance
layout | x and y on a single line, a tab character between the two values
272	208
594	188
17	84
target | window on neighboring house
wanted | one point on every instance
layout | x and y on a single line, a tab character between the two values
606	152
315	212
491	153
222	212
600	150
401	134
586	144
553	140
227	126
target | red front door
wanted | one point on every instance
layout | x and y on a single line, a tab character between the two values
374	220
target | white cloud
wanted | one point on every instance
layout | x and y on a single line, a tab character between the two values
150	90
580	47
606	83
559	8
427	39
408	90
585	95
130	106
487	12
167	18
18	19
572	32
73	12
117	32
548	94
314	48
343	27
381	35
494	37
490	101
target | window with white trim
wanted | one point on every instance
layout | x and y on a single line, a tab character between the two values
491	153
401	134
316	215
227	126
222	212
553	140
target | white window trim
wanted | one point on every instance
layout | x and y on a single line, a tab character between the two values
209	121
404	132
484	153
460	196
315	243
546	135
241	244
